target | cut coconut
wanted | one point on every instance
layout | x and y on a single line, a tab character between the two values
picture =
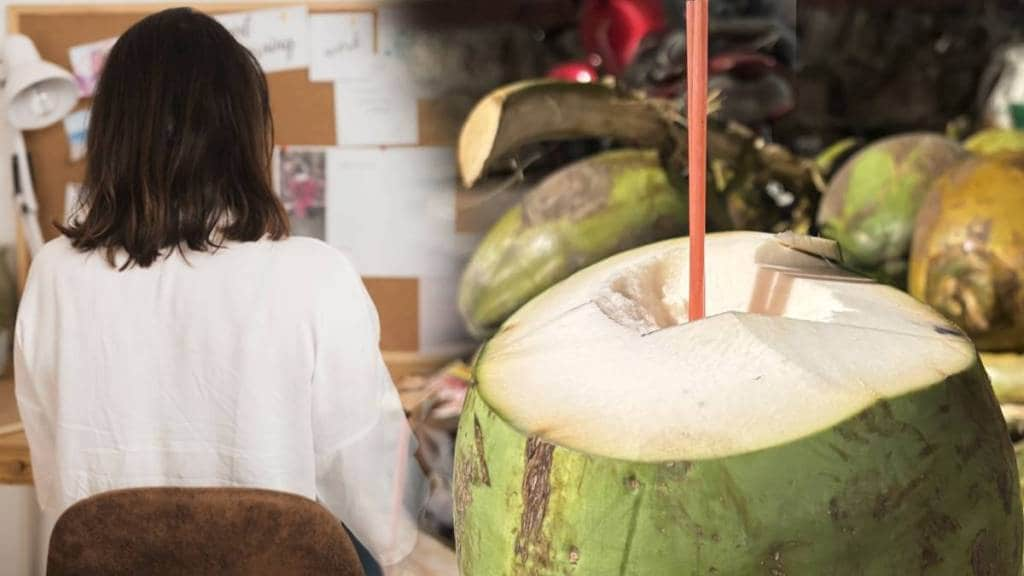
814	423
818	344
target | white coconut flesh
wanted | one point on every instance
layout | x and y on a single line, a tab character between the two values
605	363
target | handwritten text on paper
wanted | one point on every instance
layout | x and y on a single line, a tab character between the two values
342	46
278	38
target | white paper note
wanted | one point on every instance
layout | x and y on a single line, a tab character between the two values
378	112
342	46
279	38
393	211
76	128
87	62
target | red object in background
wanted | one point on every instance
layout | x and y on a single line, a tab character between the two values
613	29
574	72
745	63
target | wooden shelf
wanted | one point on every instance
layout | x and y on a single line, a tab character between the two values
15	466
8	406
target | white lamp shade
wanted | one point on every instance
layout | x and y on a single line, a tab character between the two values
38	93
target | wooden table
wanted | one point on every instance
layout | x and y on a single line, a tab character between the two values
14	462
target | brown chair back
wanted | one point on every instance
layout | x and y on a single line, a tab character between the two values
200	531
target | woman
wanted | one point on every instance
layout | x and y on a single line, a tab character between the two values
175	334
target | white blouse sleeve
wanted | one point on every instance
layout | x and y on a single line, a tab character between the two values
37	421
36	401
367	474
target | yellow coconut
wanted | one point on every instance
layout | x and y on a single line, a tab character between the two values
967	256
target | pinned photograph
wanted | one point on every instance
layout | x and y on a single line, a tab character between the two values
76	127
87	62
302	185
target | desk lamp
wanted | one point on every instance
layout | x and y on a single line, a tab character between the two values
39	93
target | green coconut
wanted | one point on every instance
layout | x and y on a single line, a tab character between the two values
968	251
836	154
871	203
995	141
582	213
815	423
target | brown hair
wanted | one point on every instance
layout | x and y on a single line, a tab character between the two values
180	144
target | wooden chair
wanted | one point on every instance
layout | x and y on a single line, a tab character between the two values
200	531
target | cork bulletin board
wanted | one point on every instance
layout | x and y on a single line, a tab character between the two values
303	116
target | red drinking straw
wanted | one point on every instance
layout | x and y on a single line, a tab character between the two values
697	122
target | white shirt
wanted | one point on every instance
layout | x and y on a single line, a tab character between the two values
257	365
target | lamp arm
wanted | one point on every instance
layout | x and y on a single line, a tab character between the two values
25	195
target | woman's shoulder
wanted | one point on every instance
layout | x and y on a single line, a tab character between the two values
313	260
311	252
317	274
56	249
54	255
